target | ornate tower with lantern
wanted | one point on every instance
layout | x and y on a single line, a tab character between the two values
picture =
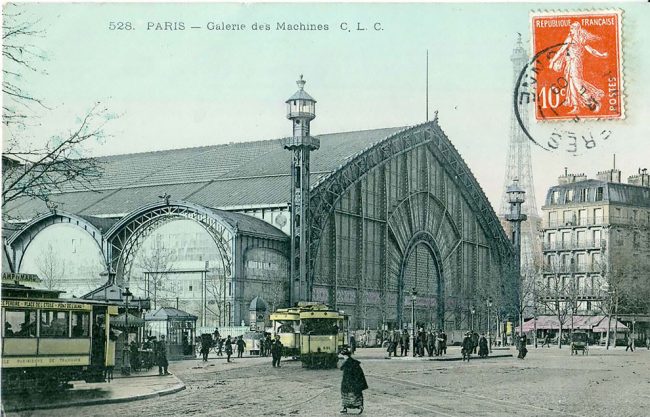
301	110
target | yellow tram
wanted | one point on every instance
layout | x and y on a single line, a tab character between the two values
286	324
48	341
312	331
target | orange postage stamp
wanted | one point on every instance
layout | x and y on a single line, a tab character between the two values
577	65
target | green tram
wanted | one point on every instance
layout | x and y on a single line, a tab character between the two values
48	341
313	332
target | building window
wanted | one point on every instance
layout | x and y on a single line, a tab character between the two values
555	197
598	216
599	194
190	288
229	289
552	218
566	240
582	217
569	196
595	261
567	217
596	237
583	195
74	245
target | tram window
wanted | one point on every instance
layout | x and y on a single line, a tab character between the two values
54	323
19	323
320	327
80	324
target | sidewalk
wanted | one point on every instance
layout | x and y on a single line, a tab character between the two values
453	354
122	389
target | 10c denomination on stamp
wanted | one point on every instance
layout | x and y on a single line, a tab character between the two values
578	70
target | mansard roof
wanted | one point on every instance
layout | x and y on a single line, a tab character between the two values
612	193
220	176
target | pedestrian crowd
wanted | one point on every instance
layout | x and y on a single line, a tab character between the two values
431	343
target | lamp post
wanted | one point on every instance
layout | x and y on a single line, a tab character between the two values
126	365
489	326
414	297
471	323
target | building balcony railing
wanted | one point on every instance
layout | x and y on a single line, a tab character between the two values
574	221
565	294
572	269
574	244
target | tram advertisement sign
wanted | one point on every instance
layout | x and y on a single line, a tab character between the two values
48	305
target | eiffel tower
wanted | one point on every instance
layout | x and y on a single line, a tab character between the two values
519	168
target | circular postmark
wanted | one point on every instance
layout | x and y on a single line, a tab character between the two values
553	130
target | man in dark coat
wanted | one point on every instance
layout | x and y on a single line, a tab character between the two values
240	346
161	356
276	351
523	350
353	344
206	342
228	348
443	335
405	342
483	346
467	346
474	342
352	384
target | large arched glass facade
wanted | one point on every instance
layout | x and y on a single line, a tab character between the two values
406	224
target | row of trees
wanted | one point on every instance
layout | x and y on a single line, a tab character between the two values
157	279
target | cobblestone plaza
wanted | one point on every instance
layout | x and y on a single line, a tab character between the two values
549	382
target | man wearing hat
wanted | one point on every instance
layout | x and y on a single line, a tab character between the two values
467	346
352	384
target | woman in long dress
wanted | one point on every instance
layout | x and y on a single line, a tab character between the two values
352	384
569	61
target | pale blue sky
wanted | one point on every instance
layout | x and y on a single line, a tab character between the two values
198	87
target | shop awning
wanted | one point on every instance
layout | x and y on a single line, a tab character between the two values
596	324
120	321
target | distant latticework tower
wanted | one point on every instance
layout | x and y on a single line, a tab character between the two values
519	167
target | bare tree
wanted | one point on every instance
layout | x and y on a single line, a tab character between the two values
215	286
35	170
51	268
558	295
156	264
276	289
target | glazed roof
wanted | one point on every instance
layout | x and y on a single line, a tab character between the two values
219	176
163	313
613	193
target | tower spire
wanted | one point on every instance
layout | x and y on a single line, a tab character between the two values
519	171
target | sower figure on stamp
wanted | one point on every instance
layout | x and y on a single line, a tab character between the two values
352	384
569	61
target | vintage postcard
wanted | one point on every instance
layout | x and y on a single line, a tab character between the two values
314	209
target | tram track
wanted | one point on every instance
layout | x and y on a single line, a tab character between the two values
464	396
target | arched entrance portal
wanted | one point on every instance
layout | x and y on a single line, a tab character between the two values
421	273
125	238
